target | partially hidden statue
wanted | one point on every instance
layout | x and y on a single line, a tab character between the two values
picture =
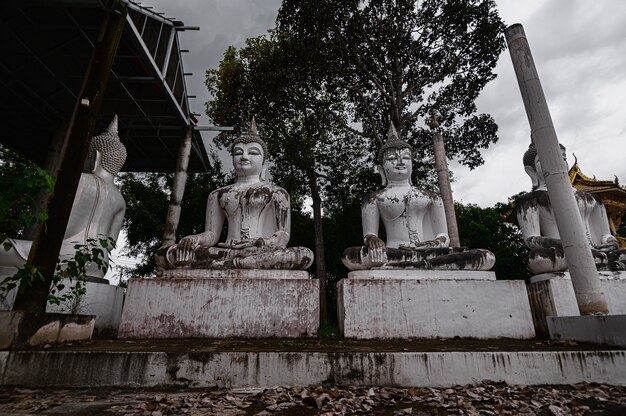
414	221
538	225
98	208
258	215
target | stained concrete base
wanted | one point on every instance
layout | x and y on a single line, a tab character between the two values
217	307
20	329
101	299
596	329
264	369
552	294
378	308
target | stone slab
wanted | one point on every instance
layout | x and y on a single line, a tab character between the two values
596	329
220	308
233	274
552	294
410	308
422	274
19	329
265	369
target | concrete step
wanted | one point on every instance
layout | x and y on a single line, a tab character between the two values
261	369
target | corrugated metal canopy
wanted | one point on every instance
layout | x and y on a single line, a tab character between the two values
45	49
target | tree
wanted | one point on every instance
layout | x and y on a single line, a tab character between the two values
485	228
147	199
401	60
20	183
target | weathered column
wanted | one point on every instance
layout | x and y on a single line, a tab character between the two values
582	268
178	189
443	179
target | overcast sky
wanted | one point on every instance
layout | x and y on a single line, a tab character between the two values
579	48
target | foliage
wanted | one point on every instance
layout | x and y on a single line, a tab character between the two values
300	118
20	183
147	200
72	270
485	228
402	60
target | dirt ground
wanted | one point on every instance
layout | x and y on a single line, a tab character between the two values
484	399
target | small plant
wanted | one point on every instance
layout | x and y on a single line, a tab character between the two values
329	331
72	269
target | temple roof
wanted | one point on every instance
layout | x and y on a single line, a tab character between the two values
45	51
611	189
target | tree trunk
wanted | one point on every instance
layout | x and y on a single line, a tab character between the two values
443	178
320	261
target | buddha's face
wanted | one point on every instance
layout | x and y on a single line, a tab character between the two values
248	159
397	164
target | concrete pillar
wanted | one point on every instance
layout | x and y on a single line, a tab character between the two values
178	189
585	278
443	179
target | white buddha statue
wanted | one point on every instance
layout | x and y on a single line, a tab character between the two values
540	232
259	220
414	221
98	208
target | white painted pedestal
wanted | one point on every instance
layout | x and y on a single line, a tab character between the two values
432	304
222	304
101	299
552	294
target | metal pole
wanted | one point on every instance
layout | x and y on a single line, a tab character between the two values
582	268
178	189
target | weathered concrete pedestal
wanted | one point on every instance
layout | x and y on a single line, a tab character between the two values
197	303
379	304
101	299
552	294
595	329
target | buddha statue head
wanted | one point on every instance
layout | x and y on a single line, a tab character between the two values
106	151
532	166
395	159
249	154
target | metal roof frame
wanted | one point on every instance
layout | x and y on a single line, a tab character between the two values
43	62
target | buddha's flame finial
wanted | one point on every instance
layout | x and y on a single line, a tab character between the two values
252	130
392	134
112	129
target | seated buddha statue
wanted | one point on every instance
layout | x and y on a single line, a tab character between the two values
540	232
258	215
98	208
414	221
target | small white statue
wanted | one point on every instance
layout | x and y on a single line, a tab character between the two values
98	208
259	221
540	232
414	220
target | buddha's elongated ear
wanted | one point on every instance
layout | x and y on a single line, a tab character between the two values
264	169
530	171
383	177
